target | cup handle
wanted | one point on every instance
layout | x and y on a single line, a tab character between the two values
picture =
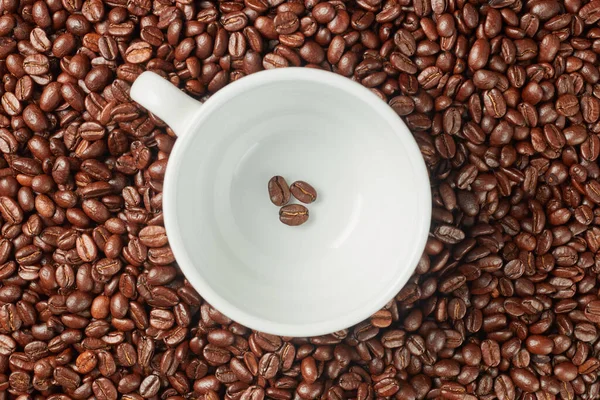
164	100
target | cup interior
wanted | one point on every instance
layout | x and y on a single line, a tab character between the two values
366	230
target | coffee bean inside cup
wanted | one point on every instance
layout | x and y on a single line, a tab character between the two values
293	214
303	192
280	194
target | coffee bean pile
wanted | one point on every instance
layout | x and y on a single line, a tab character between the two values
503	99
280	194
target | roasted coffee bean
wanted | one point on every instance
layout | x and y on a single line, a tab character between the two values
126	355
303	192
567	105
86	362
153	236
36	64
66	377
221	338
104	389
286	23
279	191
150	386
494	102
525	380
268	365
539	344
293	214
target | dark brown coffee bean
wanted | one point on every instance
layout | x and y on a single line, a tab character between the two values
215	355
10	210
429	77
153	236
221	338
268	365
286	23
104	389
504	387
590	109
567	105
66	377
36	64
490	352
404	64
234	21
524	379
303	192
479	54
293	214
271	61
86	362
11	104
8	143
494	103
150	386
279	191
449	234
35	119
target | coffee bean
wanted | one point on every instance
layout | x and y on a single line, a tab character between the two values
138	52
104	389
221	338
66	377
11	104
8	143
429	77
36	64
153	236
303	192
567	105
279	192
126	355
286	23
405	42
494	103
7	345
479	54
150	386
490	352
268	365
234	21
86	362
10	210
449	234
293	214
215	355
504	387
35	119
524	379
404	64
312	52
539	344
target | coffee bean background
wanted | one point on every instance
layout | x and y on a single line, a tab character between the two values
503	99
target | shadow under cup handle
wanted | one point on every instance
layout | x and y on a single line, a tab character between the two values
164	100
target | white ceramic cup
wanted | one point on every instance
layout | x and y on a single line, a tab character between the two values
366	231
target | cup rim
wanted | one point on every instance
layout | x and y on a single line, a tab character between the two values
422	190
